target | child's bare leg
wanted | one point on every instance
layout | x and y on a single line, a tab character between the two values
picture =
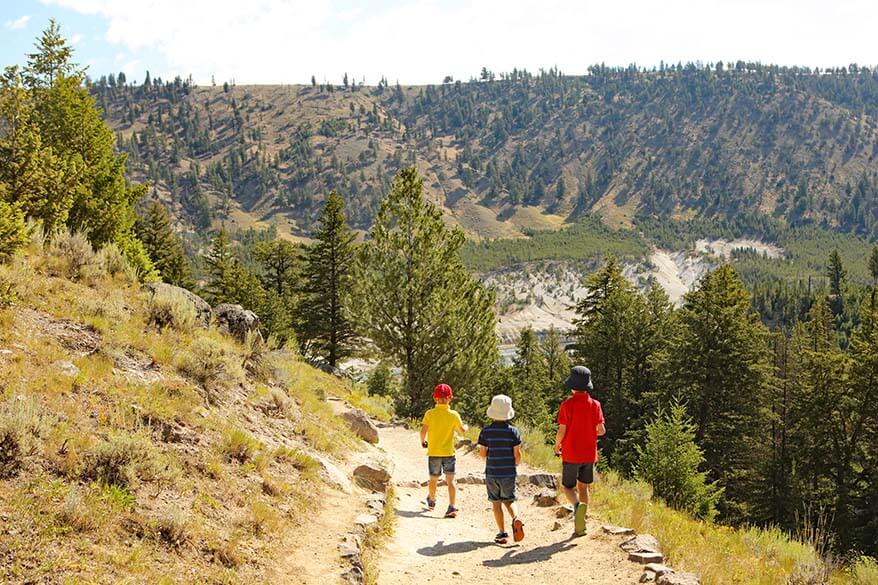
452	489
498	516
431	488
513	509
571	496
582	488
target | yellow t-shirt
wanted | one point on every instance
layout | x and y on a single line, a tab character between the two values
441	423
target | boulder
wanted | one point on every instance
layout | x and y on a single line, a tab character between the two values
202	309
546	498
361	424
545	480
647	577
563	512
350	547
679	579
658	568
332	474
617	530
236	321
472	479
372	475
67	368
641	543
646	558
365	520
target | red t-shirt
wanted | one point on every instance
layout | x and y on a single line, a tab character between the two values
581	414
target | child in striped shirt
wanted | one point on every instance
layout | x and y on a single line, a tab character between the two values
500	446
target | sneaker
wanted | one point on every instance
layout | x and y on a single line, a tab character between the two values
451	512
431	503
517	530
579	519
501	538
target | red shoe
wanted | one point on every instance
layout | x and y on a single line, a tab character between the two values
517	530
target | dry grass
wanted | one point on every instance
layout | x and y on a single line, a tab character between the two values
376	536
170	308
101	457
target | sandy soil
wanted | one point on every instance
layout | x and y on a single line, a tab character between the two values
427	548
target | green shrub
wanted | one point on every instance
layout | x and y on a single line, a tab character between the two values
21	422
13	230
256	351
380	381
113	262
238	445
120	461
209	363
170	308
669	463
72	256
172	527
8	294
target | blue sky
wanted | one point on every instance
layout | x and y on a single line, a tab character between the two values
421	41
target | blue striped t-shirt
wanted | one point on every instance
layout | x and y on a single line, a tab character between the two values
500	437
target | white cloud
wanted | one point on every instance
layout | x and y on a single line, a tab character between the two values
420	41
18	23
76	39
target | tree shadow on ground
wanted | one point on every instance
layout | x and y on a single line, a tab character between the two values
440	548
533	555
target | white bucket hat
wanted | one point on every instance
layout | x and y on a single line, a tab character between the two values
501	408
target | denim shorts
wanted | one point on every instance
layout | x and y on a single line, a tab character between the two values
500	489
439	465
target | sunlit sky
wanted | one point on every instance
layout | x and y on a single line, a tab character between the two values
422	41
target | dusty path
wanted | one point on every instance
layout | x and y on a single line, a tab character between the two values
427	548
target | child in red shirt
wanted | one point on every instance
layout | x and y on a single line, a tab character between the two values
580	423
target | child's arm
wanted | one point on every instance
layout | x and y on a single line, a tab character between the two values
602	430
483	451
517	452
424	436
559	437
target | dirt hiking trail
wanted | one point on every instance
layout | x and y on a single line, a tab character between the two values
427	548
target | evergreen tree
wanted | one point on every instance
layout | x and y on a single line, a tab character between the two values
418	303
557	367
13	230
531	381
221	267
163	245
327	329
717	366
873	265
670	460
837	275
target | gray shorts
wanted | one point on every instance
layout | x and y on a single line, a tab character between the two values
573	472
500	489
436	466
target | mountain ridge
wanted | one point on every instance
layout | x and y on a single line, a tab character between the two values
508	156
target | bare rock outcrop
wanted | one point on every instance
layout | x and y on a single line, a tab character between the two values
202	308
235	320
361	424
373	475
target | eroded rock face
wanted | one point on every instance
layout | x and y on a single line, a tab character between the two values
202	309
235	320
361	424
373	475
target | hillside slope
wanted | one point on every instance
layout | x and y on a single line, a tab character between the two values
522	152
130	453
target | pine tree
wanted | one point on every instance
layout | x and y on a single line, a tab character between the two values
13	230
531	381
327	328
873	265
221	266
670	460
717	366
418	303
837	275
163	245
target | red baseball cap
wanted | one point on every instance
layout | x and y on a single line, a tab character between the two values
443	391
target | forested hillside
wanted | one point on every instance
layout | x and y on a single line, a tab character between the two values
517	151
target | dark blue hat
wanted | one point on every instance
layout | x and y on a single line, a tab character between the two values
579	379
